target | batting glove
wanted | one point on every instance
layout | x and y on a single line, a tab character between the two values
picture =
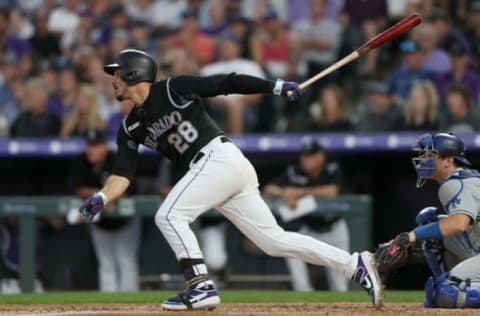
93	205
288	89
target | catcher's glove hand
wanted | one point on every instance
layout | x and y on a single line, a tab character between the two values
393	254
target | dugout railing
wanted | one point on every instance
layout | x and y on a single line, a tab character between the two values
356	209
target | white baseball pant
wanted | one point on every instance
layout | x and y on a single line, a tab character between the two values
224	179
337	236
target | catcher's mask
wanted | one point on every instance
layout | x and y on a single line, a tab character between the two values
433	146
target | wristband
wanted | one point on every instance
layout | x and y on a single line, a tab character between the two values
103	196
429	231
277	89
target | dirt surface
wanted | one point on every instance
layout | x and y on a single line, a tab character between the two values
291	309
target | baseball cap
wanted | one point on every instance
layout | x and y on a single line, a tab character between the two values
311	147
96	136
409	47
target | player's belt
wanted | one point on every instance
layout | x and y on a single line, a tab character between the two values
199	155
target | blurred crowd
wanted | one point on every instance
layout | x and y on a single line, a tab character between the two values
52	55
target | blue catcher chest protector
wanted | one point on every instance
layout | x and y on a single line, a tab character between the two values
433	146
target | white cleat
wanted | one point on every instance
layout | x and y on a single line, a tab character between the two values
366	274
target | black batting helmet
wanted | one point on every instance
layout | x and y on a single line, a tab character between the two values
135	66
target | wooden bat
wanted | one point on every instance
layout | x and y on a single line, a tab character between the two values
401	27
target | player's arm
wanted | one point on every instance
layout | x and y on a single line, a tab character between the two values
209	86
117	183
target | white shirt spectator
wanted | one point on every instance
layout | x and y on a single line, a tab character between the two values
328	30
63	21
167	12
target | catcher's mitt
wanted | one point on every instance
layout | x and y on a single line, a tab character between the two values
394	254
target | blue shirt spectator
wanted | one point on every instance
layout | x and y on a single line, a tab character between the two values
402	80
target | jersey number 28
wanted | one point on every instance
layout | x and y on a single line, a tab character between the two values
185	135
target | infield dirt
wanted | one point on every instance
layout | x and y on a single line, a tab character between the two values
243	309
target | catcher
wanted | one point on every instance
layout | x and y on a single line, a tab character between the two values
450	243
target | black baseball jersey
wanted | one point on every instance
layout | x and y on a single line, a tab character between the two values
294	176
173	119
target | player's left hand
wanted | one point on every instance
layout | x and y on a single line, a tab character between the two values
393	254
288	89
92	206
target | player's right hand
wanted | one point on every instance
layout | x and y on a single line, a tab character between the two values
93	205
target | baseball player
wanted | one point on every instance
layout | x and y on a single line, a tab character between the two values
170	118
450	243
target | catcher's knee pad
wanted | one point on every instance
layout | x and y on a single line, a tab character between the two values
450	292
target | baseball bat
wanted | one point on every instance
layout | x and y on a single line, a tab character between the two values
394	31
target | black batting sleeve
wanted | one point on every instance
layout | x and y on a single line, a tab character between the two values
127	155
210	86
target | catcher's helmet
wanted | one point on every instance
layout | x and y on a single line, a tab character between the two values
135	66
431	146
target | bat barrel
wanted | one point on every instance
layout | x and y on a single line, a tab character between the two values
396	30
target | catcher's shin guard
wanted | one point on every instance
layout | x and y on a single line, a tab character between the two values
451	292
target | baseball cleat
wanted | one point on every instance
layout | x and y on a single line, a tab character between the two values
203	296
366	274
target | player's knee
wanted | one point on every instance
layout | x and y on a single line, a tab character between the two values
161	219
448	293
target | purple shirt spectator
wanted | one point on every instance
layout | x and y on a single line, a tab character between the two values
17	45
471	80
113	124
438	62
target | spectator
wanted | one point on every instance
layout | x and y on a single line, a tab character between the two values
313	177
45	44
402	80
9	69
330	114
139	36
473	32
217	18
380	114
434	58
242	28
421	108
446	31
85	114
167	13
200	46
460	117
118	20
11	41
115	121
64	20
274	53
115	240
140	10
68	88
461	73
84	35
35	120
318	39
369	16
236	108
108	105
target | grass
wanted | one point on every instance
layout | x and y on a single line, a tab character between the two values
253	296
